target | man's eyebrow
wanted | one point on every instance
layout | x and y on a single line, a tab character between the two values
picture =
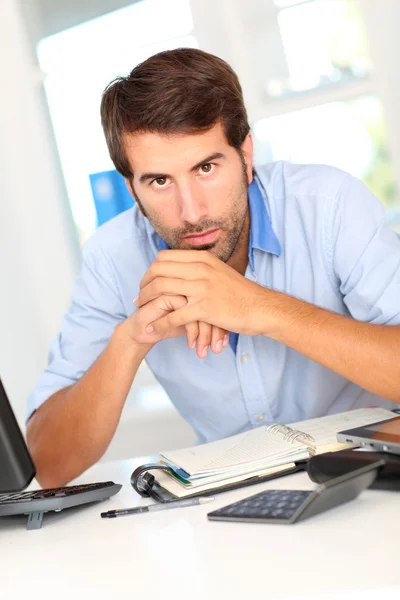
208	159
216	155
146	176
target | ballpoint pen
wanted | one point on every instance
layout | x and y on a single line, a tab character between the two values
110	514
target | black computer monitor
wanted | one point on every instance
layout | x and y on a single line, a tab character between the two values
16	467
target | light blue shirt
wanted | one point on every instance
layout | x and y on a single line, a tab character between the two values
317	234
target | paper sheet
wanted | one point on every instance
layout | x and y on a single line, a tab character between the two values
263	449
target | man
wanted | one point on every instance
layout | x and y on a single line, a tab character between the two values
285	279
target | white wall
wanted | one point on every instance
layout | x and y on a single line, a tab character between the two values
38	246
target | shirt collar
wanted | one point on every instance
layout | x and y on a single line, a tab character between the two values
262	236
161	244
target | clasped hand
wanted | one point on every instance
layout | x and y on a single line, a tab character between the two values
214	299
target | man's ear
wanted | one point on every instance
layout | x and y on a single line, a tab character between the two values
247	149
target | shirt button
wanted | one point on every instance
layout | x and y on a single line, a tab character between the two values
245	358
260	417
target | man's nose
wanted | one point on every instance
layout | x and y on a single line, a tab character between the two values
193	207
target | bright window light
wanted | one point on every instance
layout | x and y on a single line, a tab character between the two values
349	135
324	42
78	64
287	3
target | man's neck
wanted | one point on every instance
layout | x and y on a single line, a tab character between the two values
240	258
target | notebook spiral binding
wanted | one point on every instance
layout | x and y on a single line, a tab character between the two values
292	435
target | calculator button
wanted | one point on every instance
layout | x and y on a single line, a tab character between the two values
268	505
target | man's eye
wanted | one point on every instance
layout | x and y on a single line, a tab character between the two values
207	167
160	181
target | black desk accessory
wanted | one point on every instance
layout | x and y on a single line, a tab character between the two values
324	467
292	506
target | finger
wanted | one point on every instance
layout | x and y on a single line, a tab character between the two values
217	339
155	310
192	333
194	270
178	318
161	286
204	339
160	306
187	256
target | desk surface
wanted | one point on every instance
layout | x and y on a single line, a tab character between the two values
180	554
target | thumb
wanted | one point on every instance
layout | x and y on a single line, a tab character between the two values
170	303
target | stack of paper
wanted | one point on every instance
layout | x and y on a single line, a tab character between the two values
259	452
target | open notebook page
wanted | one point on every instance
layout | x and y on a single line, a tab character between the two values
172	485
267	449
255	446
324	429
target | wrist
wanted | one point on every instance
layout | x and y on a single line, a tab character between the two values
127	344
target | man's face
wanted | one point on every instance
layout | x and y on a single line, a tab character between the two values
192	188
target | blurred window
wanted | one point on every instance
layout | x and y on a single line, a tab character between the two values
78	64
324	43
349	135
324	108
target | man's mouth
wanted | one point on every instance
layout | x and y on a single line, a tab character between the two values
198	239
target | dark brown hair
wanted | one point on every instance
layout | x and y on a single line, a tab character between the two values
177	91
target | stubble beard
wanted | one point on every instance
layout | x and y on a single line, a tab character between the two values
232	225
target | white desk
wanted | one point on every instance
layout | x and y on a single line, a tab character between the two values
180	554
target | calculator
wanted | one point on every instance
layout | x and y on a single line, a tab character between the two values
292	506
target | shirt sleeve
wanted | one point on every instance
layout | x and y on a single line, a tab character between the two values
87	326
365	255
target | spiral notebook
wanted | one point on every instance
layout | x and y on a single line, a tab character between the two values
255	455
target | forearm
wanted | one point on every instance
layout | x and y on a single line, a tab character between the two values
366	354
73	428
